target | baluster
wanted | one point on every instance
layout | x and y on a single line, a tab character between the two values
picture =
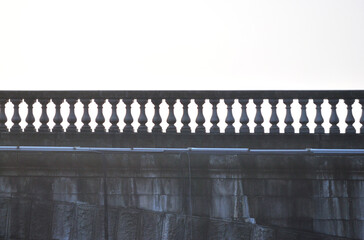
157	117
349	117
274	129
185	117
16	117
114	119
258	117
86	119
214	117
72	116
244	116
44	119
288	120
128	117
229	116
334	119
200	120
318	119
303	119
100	119
30	117
361	101
142	117
57	117
3	118
171	120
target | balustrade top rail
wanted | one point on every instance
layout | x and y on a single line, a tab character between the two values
184	97
294	94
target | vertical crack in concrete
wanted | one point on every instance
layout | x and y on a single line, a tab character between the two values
190	190
106	210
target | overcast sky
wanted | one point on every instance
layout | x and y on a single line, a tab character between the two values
238	45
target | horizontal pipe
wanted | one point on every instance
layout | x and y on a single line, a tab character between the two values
337	151
280	151
193	150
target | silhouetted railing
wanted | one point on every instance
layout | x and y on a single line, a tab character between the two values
228	98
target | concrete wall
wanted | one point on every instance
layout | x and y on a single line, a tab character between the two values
44	220
61	196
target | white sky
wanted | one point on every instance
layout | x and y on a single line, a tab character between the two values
237	45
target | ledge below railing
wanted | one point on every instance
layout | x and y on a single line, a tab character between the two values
229	98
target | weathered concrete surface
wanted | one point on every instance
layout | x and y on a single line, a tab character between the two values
61	196
63	220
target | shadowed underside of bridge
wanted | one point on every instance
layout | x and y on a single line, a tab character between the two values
93	195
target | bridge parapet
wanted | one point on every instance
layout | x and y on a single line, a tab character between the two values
316	193
220	107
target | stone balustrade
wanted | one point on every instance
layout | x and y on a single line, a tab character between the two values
225	99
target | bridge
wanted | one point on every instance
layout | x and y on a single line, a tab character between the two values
181	165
